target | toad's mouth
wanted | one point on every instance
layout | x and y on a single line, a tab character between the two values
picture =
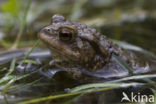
56	46
63	55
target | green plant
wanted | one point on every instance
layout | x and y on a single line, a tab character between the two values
16	13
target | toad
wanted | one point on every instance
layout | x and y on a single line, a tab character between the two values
75	45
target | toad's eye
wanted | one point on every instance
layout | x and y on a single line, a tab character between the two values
65	35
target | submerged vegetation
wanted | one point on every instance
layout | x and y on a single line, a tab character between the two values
20	78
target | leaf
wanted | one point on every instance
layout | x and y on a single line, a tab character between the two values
11	7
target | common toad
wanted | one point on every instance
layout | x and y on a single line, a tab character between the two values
75	45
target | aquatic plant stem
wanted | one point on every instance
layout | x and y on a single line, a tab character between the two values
92	90
22	25
37	42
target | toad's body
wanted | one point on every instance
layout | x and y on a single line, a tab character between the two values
75	45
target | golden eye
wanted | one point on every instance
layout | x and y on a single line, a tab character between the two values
65	34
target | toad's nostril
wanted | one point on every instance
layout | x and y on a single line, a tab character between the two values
48	30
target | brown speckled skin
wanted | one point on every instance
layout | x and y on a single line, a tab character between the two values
88	49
